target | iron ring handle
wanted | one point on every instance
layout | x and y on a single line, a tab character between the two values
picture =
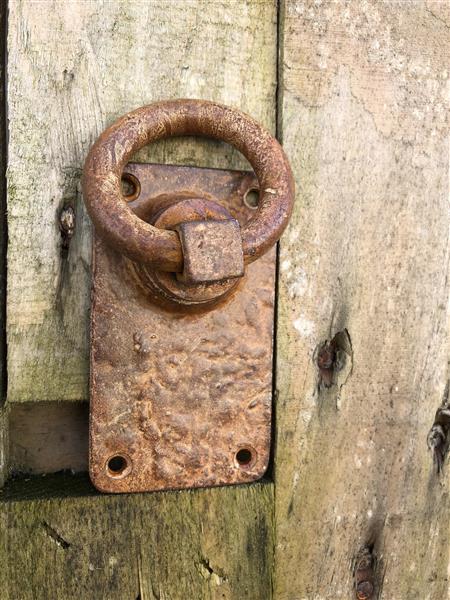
159	248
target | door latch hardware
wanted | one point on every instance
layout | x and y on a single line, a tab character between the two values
181	322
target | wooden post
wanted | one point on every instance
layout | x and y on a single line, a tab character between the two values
74	67
364	116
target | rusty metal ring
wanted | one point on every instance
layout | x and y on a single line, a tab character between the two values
161	249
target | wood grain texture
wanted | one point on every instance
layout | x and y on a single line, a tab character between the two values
74	67
4	446
48	437
364	119
141	546
3	244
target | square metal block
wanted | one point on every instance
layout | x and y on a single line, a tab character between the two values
212	250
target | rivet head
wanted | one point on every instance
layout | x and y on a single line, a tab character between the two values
67	225
364	590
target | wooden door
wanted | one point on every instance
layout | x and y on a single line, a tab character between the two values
358	92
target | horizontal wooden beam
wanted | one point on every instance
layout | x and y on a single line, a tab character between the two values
61	539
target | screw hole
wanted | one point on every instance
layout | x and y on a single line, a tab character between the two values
131	188
251	198
244	457
118	466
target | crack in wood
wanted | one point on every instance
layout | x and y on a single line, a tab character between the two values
55	536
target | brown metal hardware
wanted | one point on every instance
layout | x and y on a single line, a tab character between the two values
141	241
66	226
212	250
180	399
211	272
181	393
326	359
364	575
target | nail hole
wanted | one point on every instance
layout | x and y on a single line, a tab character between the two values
244	457
251	198
131	188
118	466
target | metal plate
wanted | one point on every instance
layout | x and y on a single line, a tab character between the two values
180	400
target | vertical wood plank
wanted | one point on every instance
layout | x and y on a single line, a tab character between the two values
364	119
3	244
74	67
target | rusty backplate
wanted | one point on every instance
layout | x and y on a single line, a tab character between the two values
180	400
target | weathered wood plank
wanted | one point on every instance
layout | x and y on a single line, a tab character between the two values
146	546
4	446
3	244
365	105
74	67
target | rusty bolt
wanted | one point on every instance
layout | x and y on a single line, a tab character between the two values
326	360
438	436
364	590
326	357
67	225
364	574
212	250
